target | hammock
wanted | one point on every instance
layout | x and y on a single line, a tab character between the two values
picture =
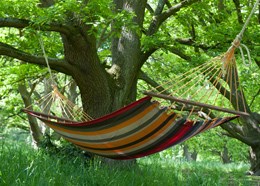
146	127
137	130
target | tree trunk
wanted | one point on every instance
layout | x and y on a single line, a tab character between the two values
99	92
36	134
226	158
194	155
238	10
88	73
248	132
189	156
126	54
259	13
186	153
253	132
255	160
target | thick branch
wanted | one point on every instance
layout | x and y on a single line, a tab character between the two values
149	8
257	60
143	76
179	53
176	8
159	19
159	7
173	50
147	54
237	132
232	129
254	96
191	42
168	3
22	23
55	64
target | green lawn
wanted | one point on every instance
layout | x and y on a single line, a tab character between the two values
21	165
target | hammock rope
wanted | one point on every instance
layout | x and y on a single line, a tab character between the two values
227	78
46	58
56	99
55	103
199	90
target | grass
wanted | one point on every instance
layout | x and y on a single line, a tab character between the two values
21	165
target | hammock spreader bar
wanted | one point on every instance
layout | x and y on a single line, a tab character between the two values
194	103
139	129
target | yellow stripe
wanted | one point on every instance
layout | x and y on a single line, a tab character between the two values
132	138
107	130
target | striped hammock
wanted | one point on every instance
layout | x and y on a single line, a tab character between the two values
139	129
143	127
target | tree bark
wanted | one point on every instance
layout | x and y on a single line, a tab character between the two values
126	54
80	52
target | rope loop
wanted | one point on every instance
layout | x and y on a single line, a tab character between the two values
243	57
236	44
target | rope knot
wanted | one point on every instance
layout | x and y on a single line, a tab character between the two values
236	42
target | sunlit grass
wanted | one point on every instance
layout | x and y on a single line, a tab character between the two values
21	165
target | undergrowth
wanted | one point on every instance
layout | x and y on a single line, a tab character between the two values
22	165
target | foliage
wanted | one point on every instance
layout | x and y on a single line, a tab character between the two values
209	146
249	76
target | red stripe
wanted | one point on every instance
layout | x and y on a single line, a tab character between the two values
101	119
116	113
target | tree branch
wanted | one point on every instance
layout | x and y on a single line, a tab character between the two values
160	18
235	131
238	10
257	60
231	129
179	53
253	98
143	76
171	49
191	42
168	3
147	54
103	35
55	64
149	8
159	7
22	23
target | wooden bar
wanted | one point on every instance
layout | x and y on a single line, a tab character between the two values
47	116
194	103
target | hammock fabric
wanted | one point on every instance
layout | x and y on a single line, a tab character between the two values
139	129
